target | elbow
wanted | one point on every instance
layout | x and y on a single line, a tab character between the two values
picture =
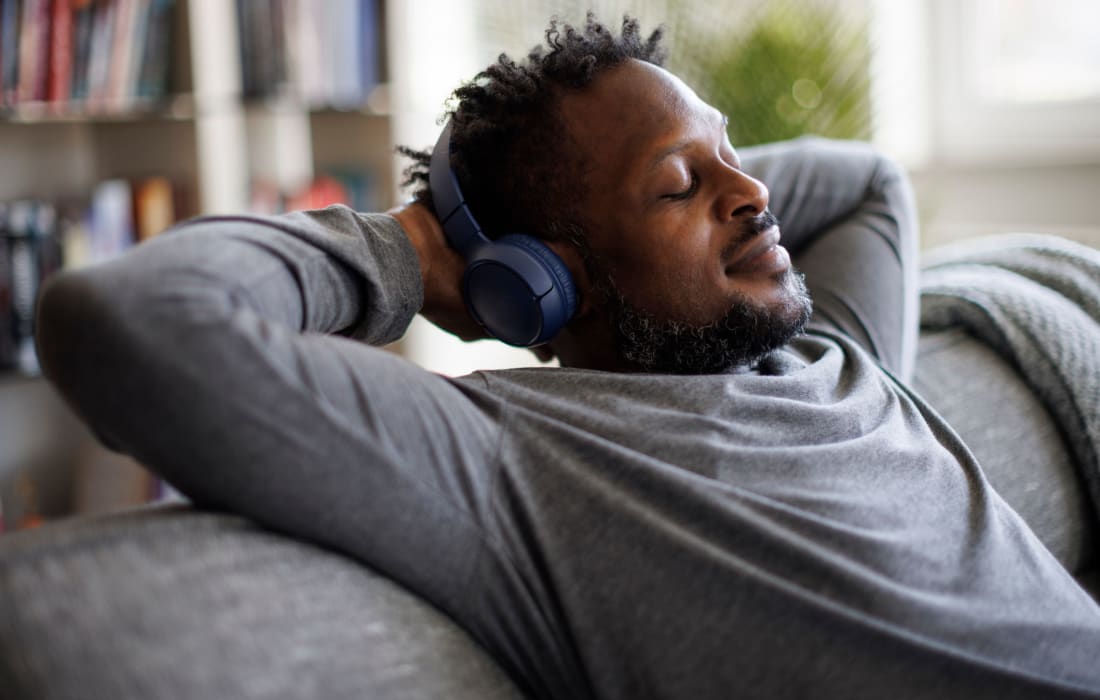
84	340
888	172
70	307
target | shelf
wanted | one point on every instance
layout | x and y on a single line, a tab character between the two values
377	104
212	143
178	108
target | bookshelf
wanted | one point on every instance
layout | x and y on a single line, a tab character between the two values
223	139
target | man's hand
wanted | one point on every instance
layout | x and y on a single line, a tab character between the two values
441	269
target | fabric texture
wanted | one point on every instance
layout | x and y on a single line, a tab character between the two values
811	527
1036	300
172	603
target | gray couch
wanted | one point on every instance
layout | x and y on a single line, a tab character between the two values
176	603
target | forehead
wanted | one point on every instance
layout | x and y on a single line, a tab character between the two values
629	112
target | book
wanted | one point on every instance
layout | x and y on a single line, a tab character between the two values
75	239
138	38
122	44
253	23
83	21
60	71
29	253
34	50
99	52
370	48
156	53
344	53
327	54
102	54
154	207
111	224
280	74
9	51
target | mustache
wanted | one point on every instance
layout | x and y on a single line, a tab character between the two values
751	228
760	223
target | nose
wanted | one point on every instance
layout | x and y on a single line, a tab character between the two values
742	196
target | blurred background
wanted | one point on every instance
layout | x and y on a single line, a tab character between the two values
119	117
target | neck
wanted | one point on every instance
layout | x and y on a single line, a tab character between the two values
589	344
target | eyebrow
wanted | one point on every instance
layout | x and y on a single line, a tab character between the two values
678	146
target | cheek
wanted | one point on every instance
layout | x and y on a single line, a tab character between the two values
672	276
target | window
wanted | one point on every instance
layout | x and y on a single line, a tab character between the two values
1015	81
1035	51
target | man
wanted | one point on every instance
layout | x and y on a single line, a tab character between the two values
704	502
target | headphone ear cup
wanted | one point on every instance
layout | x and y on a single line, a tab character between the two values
563	279
520	290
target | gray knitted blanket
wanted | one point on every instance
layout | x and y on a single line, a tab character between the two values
1036	300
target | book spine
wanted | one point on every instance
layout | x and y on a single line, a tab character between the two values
61	53
42	51
99	53
49	245
36	241
112	223
83	23
9	51
157	51
120	47
263	59
370	46
345	68
139	36
154	207
245	48
29	29
280	71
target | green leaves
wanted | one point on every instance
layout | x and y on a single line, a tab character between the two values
792	68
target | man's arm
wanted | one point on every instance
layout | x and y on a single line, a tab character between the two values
849	221
208	354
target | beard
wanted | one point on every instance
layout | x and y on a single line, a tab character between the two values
746	333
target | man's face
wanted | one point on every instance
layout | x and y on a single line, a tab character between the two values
684	251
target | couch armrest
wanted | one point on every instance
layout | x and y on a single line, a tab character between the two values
173	602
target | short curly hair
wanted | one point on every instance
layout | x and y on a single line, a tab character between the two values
509	147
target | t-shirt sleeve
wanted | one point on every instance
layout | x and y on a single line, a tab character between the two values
848	218
227	355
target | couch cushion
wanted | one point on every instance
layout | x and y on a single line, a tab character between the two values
1013	436
171	602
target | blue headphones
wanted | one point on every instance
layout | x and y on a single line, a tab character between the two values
518	289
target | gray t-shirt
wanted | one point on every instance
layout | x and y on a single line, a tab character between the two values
810	528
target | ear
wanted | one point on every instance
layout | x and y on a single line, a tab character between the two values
575	264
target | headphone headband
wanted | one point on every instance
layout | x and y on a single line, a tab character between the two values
461	228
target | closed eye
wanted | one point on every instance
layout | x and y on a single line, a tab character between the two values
686	194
